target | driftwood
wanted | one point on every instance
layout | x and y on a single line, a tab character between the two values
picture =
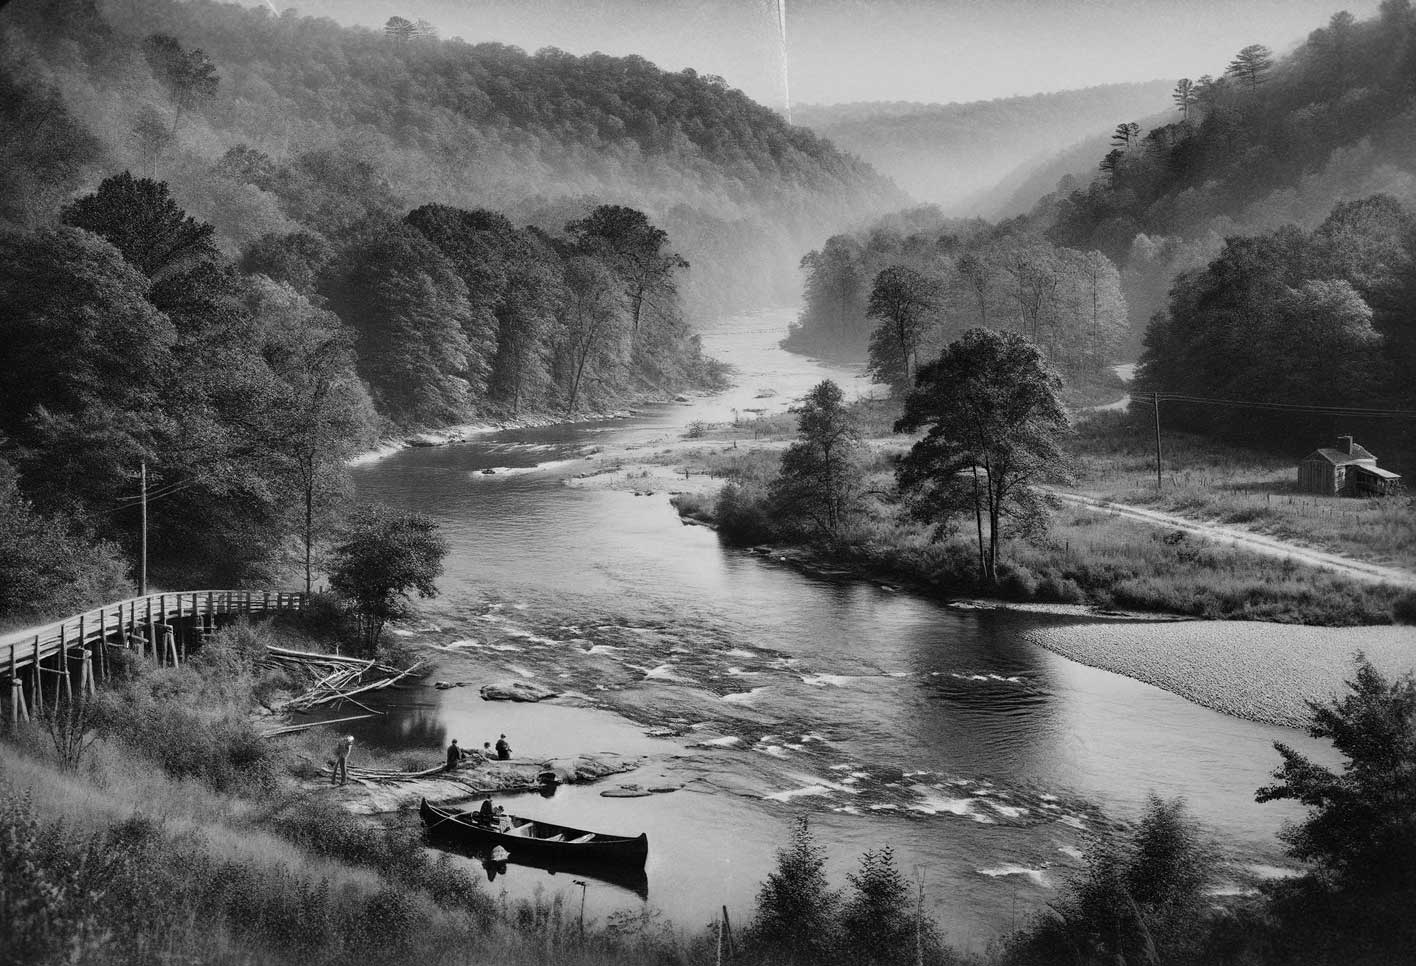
292	729
336	678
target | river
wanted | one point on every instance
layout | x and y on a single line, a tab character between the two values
986	762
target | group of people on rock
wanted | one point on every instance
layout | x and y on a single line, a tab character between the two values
455	754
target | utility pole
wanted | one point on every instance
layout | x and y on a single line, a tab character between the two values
1155	401
143	562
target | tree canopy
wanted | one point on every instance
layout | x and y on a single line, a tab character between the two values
993	428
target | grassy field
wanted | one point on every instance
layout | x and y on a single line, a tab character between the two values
1216	482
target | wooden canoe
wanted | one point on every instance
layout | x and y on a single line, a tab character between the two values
533	842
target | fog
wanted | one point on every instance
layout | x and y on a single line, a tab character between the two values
866	50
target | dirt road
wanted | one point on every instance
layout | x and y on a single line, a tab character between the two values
1248	540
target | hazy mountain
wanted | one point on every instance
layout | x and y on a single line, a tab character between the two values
949	153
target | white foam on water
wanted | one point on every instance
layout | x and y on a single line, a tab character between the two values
742	697
848	809
791	793
1229	889
776	751
1073	821
465	642
1036	875
722	742
505	647
402	633
840	767
932	803
813	736
1048	798
739	652
521	671
604	649
860	774
824	680
1071	850
1007	811
738	672
883	808
665	672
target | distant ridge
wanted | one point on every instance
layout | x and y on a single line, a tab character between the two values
951	153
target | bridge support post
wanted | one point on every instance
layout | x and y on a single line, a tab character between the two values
86	685
169	644
18	711
36	681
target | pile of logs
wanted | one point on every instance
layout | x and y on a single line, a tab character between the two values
334	680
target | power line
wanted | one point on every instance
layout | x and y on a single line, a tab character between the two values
1148	399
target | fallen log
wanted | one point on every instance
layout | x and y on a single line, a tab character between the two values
292	729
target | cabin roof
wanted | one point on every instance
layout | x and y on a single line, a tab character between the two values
1377	471
1337	457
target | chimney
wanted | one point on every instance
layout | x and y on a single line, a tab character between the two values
1344	443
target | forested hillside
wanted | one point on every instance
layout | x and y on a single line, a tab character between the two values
1263	143
950	153
959	275
345	122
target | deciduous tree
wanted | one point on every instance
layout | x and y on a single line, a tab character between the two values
383	559
994	425
904	302
819	479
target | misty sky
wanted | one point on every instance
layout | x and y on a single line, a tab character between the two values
854	50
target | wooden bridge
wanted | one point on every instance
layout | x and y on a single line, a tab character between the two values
55	657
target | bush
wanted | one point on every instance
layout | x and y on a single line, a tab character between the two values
742	516
1060	590
189	724
1403	610
1016	581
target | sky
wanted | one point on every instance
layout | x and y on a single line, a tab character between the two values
842	51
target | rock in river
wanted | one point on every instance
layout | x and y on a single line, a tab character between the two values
516	691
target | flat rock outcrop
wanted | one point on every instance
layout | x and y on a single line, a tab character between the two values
516	691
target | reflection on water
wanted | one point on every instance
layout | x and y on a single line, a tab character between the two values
983	759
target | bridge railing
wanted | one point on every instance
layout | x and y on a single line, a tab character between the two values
138	622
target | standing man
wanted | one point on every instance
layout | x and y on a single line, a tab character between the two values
454	756
503	749
341	760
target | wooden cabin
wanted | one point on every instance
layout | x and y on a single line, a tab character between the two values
1346	470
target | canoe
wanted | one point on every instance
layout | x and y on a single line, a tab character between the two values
532	842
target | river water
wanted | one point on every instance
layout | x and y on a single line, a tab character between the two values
986	762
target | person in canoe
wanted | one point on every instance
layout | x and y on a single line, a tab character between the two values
503	749
486	815
454	756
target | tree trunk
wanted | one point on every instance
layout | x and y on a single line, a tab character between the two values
978	521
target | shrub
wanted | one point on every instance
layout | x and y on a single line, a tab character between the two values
742	516
1403	610
1061	590
1016	581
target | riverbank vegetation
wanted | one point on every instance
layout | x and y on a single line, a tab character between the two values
914	523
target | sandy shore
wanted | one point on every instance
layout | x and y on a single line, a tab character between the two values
1262	672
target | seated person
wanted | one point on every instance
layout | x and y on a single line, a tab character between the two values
484	814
